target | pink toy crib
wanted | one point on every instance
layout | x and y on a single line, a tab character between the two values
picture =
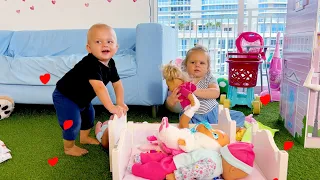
270	162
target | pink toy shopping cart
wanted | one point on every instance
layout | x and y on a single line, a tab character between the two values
243	73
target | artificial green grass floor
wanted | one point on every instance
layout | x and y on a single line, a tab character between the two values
33	136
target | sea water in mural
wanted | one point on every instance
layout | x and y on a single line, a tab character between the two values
291	109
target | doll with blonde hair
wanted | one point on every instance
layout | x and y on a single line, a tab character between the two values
175	78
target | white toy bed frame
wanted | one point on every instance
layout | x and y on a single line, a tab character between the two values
124	137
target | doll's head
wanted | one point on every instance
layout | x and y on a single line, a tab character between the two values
210	138
173	75
221	137
237	160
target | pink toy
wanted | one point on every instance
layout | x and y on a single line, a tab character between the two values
275	73
250	119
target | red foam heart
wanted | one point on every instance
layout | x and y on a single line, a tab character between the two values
32	7
53	1
53	161
45	78
67	124
134	0
287	145
18	11
265	99
275	179
109	0
86	4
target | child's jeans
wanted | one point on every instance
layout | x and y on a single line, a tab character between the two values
154	166
212	117
66	109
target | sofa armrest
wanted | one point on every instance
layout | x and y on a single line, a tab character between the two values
155	46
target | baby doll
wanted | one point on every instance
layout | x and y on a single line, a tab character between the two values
156	166
175	78
173	140
235	162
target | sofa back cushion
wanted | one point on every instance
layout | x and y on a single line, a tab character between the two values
59	42
5	37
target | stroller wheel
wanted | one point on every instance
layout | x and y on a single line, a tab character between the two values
256	107
222	98
226	103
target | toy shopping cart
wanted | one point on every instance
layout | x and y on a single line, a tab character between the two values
243	73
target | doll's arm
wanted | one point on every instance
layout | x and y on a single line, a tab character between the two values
198	170
188	144
188	94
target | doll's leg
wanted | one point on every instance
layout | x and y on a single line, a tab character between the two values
154	170
189	113
148	157
184	121
98	128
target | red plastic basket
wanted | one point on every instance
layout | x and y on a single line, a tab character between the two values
243	72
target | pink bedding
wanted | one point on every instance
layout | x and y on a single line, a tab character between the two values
256	174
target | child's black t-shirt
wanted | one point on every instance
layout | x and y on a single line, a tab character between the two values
75	83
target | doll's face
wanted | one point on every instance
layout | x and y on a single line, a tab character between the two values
173	84
230	172
218	135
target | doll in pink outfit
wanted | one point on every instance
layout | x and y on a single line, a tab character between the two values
175	78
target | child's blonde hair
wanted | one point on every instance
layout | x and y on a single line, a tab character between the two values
170	71
200	48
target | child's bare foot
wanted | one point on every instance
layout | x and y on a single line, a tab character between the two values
75	151
89	140
98	127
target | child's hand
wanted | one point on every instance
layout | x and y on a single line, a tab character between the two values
118	110
170	176
190	97
125	107
181	142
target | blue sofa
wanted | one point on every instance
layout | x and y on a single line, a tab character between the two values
25	56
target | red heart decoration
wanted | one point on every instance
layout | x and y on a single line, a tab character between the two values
275	179
109	0
53	161
53	1
265	99
86	4
18	11
134	0
67	124
45	78
32	7
287	145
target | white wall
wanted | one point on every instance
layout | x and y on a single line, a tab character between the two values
72	14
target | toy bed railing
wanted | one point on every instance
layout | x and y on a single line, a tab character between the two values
271	161
115	127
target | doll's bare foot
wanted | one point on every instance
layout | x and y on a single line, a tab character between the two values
98	127
89	140
170	177
71	149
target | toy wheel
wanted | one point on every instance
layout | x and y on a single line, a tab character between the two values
226	103
222	98
256	107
